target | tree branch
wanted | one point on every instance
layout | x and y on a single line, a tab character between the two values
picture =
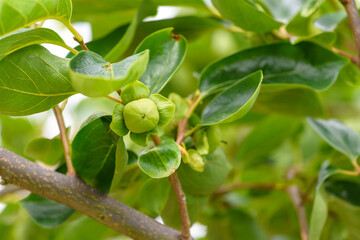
82	44
354	21
73	192
296	199
64	140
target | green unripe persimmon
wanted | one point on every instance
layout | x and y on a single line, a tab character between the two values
141	115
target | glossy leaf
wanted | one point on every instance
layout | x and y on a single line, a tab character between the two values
310	7
319	211
27	37
16	14
304	63
33	80
165	107
162	160
153	196
121	161
147	8
48	151
234	102
92	76
338	135
167	52
46	212
284	10
245	15
94	152
330	21
215	173
117	123
289	100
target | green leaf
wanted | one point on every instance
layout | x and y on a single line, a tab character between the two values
284	10
325	39
147	8
46	212
330	21
304	63
214	175
234	102
181	106
153	196
94	152
48	151
246	16
319	211
165	107
289	100
16	14
92	76
346	190
33	80
167	52
338	135
162	160
310	7
27	37
117	123
121	161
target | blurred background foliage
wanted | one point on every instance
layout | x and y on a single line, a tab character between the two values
261	147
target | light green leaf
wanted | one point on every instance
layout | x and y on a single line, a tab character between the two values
182	106
33	80
153	196
234	102
16	14
284	10
338	135
27	37
165	107
92	76
215	173
319	211
310	7
48	151
94	151
162	160
167	52
325	38
121	161
304	63
290	100
330	21
46	212
147	8
117	123
246	16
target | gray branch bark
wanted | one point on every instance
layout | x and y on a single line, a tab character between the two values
73	192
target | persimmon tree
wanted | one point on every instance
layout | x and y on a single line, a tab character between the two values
230	114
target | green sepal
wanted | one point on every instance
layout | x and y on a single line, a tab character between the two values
118	124
196	161
142	139
165	107
201	141
134	91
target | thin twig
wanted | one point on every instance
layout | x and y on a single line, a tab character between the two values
353	16
64	140
73	192
352	58
115	99
238	186
296	199
82	44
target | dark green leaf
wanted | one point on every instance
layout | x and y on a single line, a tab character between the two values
289	100
16	14
304	63
344	189
234	102
153	196
245	15
94	77
94	151
48	151
27	37
121	161
167	52
46	212
338	135
215	173
33	80
162	160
